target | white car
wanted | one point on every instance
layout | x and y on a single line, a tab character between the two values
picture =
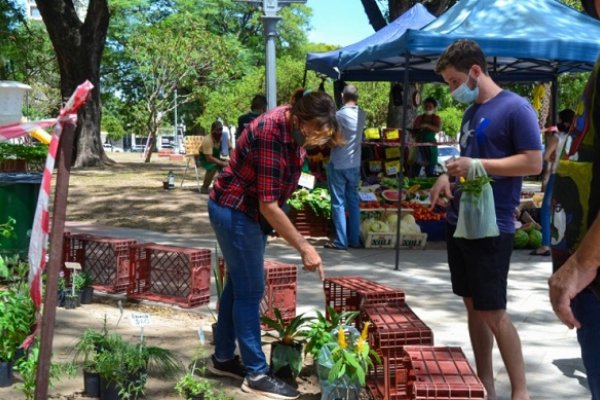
110	147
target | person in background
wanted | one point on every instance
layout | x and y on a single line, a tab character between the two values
257	107
555	139
210	155
500	129
574	287
425	127
225	141
244	205
343	173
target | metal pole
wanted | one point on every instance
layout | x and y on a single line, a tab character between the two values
176	141
270	28
403	146
56	245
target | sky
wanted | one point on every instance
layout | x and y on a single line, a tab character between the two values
339	22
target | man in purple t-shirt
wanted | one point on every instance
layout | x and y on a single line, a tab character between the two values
500	129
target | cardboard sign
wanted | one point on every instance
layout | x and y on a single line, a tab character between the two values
307	180
140	320
367	196
72	265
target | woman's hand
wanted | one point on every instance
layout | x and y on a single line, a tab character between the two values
312	260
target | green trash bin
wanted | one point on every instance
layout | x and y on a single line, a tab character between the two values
18	199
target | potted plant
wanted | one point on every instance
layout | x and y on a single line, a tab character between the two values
17	316
286	351
61	290
83	285
27	368
320	329
90	343
123	367
343	363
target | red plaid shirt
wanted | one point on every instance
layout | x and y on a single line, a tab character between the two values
265	165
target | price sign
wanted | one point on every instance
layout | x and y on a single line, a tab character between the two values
73	265
307	180
140	320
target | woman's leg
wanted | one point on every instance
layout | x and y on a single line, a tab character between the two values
242	244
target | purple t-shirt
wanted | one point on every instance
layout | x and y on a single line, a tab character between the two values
503	126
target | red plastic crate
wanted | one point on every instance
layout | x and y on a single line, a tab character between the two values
170	274
395	325
106	259
441	373
66	255
280	290
389	380
351	293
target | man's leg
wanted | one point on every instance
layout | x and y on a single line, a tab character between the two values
509	344
352	176
338	209
482	341
586	307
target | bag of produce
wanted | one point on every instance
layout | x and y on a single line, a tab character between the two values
477	212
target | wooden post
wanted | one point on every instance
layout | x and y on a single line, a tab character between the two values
52	269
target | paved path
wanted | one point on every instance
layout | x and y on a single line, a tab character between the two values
553	363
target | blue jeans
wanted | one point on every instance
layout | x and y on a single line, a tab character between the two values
586	307
545	211
243	246
343	185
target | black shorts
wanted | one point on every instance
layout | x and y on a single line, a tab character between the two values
479	268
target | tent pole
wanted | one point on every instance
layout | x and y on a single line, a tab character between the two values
554	100
403	142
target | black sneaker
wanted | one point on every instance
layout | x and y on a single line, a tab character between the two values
232	368
271	387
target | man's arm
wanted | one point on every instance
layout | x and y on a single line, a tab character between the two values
526	163
575	274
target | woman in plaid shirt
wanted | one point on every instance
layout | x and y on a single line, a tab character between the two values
244	204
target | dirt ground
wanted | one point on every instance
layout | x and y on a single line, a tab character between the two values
130	194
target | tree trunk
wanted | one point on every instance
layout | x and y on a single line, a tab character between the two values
78	48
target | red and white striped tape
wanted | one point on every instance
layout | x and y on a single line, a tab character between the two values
41	222
16	130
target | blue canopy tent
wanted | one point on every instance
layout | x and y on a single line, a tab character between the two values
329	63
533	40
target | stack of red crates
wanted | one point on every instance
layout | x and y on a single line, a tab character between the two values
170	274
441	373
352	293
280	290
106	259
393	326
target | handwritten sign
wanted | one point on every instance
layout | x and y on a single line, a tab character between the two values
140	320
73	265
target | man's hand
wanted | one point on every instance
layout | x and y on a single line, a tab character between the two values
440	192
564	285
459	167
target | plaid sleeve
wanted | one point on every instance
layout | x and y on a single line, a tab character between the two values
268	160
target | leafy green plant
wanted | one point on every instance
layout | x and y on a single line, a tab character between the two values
127	365
319	201
27	368
350	358
319	331
82	280
17	316
290	336
89	344
189	385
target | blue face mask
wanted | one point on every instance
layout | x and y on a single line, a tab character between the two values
464	93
